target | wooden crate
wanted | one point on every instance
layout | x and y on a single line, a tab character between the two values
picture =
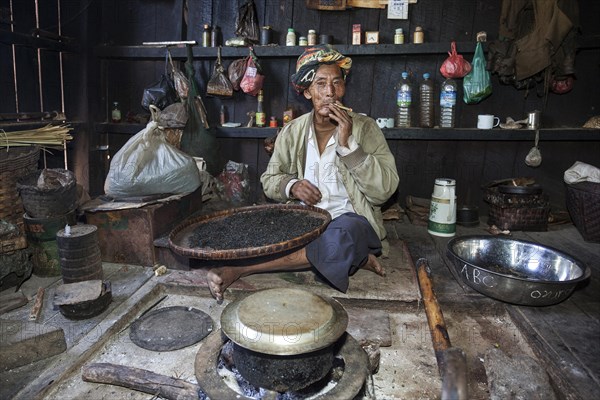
127	236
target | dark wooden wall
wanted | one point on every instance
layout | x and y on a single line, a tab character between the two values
370	85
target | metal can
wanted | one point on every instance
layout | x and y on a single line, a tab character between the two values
265	35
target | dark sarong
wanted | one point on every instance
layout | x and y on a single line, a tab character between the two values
343	248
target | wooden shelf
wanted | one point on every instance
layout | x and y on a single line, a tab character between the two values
462	134
20	39
277	51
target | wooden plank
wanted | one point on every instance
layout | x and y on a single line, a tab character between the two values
23	342
574	379
11	301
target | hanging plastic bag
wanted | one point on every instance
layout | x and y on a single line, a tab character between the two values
148	165
253	78
236	72
233	184
455	66
246	22
477	84
161	93
218	84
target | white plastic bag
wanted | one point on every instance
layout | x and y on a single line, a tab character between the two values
148	165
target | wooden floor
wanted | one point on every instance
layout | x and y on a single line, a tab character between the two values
565	337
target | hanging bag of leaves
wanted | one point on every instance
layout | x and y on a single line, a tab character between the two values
455	66
218	84
246	23
253	78
236	72
477	84
161	93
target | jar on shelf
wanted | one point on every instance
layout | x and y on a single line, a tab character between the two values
290	39
115	115
419	35
399	36
302	41
312	37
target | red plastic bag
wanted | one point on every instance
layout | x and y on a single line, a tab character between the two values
253	78
455	66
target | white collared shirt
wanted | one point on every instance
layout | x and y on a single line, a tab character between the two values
321	171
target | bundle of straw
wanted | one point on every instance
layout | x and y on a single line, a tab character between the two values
48	136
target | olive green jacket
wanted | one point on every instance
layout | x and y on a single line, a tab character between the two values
369	173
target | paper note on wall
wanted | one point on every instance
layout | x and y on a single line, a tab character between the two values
397	9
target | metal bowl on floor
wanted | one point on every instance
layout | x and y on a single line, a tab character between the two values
516	271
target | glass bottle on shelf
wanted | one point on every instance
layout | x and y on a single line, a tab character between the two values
215	37
206	36
115	115
261	117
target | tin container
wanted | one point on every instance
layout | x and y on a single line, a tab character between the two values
533	119
442	212
265	35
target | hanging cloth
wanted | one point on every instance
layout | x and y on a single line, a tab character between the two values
197	139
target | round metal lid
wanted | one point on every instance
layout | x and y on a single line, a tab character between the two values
284	321
170	328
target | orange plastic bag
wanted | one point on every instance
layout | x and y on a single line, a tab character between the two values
455	66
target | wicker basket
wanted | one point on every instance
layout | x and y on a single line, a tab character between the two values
517	212
50	201
15	163
583	204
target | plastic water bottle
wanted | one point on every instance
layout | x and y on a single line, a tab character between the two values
448	103
426	104
404	101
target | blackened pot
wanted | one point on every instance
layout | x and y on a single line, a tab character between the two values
283	373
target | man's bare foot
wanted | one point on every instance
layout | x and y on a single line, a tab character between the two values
219	279
373	264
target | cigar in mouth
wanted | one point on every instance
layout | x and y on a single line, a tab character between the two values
342	107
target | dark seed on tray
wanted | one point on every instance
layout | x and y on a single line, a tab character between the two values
252	229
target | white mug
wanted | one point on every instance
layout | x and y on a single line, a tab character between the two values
487	121
385	122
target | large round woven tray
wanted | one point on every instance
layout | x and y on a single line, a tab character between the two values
179	237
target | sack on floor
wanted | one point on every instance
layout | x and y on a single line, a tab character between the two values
148	165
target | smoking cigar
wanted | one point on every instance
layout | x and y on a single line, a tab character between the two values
342	107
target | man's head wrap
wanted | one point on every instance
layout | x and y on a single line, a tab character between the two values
312	59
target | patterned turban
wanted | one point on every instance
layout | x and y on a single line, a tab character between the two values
312	59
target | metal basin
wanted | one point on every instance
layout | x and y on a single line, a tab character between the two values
516	271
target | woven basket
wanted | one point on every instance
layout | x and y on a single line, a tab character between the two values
583	204
15	163
48	201
517	212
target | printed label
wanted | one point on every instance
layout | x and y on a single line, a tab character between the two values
404	99
448	99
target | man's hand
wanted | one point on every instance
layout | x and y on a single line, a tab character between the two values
306	192
344	123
